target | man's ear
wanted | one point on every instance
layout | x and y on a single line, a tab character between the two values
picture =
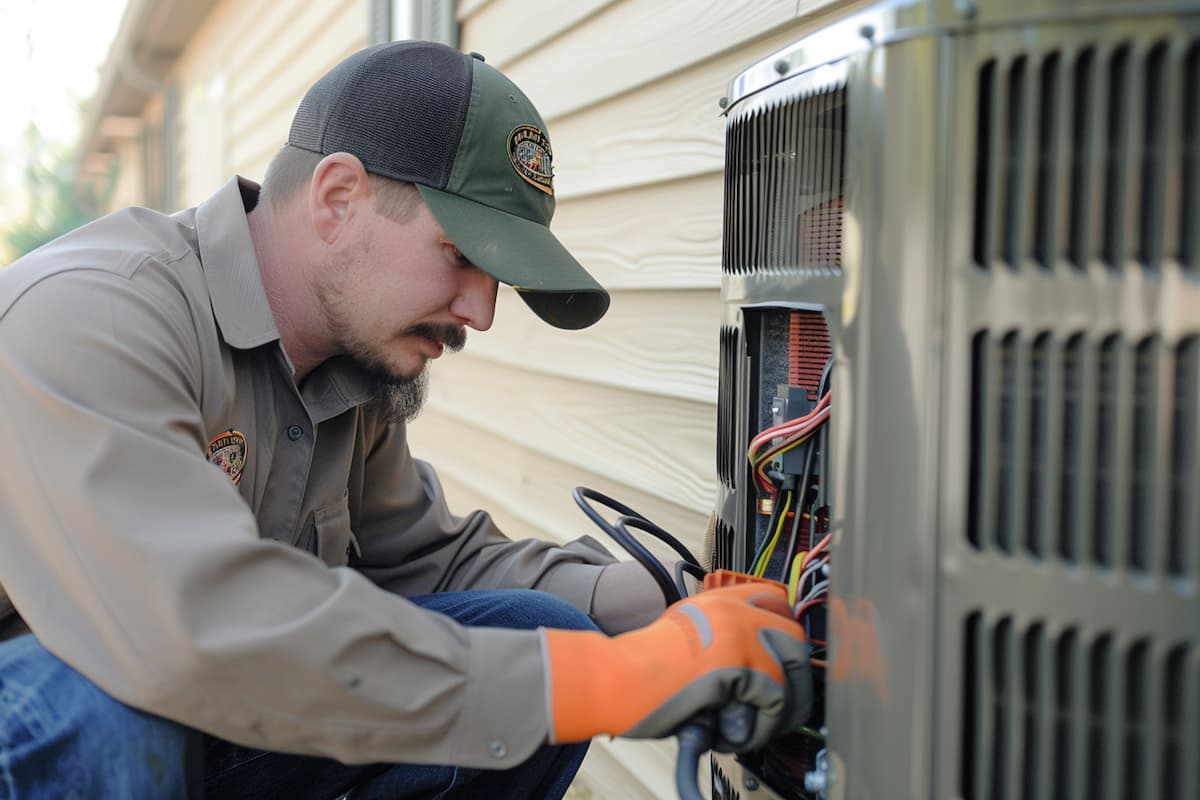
339	187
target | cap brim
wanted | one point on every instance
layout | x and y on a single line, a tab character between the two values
523	254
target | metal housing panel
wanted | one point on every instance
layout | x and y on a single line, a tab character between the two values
1016	328
1068	601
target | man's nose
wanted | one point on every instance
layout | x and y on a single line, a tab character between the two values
476	301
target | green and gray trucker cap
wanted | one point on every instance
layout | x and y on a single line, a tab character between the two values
478	152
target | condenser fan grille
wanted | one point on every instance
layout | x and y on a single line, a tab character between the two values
784	184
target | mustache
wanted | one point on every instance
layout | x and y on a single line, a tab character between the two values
452	337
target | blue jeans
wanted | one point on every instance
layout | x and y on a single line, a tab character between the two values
60	736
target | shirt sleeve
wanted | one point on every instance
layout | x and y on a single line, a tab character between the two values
136	562
410	542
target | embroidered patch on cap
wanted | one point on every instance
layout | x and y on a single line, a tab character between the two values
529	152
228	451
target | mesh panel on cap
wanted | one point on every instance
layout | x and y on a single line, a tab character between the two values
399	107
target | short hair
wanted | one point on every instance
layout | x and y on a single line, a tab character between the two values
291	169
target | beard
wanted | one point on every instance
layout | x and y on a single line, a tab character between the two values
394	398
397	397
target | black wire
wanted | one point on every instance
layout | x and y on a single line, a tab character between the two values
646	525
618	531
801	503
817	442
582	492
694	739
691	569
823	435
644	557
825	371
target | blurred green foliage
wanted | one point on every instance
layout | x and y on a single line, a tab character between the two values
57	201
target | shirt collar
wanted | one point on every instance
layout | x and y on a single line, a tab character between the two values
227	254
239	300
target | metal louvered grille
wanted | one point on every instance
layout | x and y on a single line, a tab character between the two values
1064	714
729	455
721	554
1089	156
1070	458
784	168
723	786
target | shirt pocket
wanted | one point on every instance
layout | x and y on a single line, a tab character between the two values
332	541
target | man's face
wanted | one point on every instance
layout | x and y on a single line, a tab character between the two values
398	295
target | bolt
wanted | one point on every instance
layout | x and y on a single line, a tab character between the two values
818	780
750	782
867	32
723	102
782	66
815	782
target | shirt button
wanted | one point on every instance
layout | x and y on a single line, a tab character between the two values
497	748
295	432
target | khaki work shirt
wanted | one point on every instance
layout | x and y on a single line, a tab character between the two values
269	610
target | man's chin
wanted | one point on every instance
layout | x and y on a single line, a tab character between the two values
399	397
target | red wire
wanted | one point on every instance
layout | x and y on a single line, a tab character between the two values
786	428
803	609
816	551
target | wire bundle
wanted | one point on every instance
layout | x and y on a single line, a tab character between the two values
803	572
809	566
794	433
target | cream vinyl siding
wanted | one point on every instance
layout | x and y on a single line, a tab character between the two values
242	78
630	91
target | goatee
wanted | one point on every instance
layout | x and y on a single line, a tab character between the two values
400	398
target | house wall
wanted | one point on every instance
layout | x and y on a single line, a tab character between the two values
242	78
629	90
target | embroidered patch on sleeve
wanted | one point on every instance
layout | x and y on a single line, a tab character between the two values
228	451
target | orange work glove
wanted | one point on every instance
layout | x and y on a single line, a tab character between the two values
737	644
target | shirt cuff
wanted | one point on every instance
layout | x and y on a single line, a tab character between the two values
575	583
626	597
504	719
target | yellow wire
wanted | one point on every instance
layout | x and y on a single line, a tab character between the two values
794	577
760	462
760	566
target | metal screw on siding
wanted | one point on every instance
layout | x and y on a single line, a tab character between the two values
782	66
867	32
750	782
723	102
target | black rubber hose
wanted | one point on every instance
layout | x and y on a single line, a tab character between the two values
691	569
695	740
644	557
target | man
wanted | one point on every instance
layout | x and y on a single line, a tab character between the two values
238	580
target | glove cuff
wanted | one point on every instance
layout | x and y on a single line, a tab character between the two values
581	667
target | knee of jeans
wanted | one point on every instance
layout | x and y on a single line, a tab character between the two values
94	742
550	611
